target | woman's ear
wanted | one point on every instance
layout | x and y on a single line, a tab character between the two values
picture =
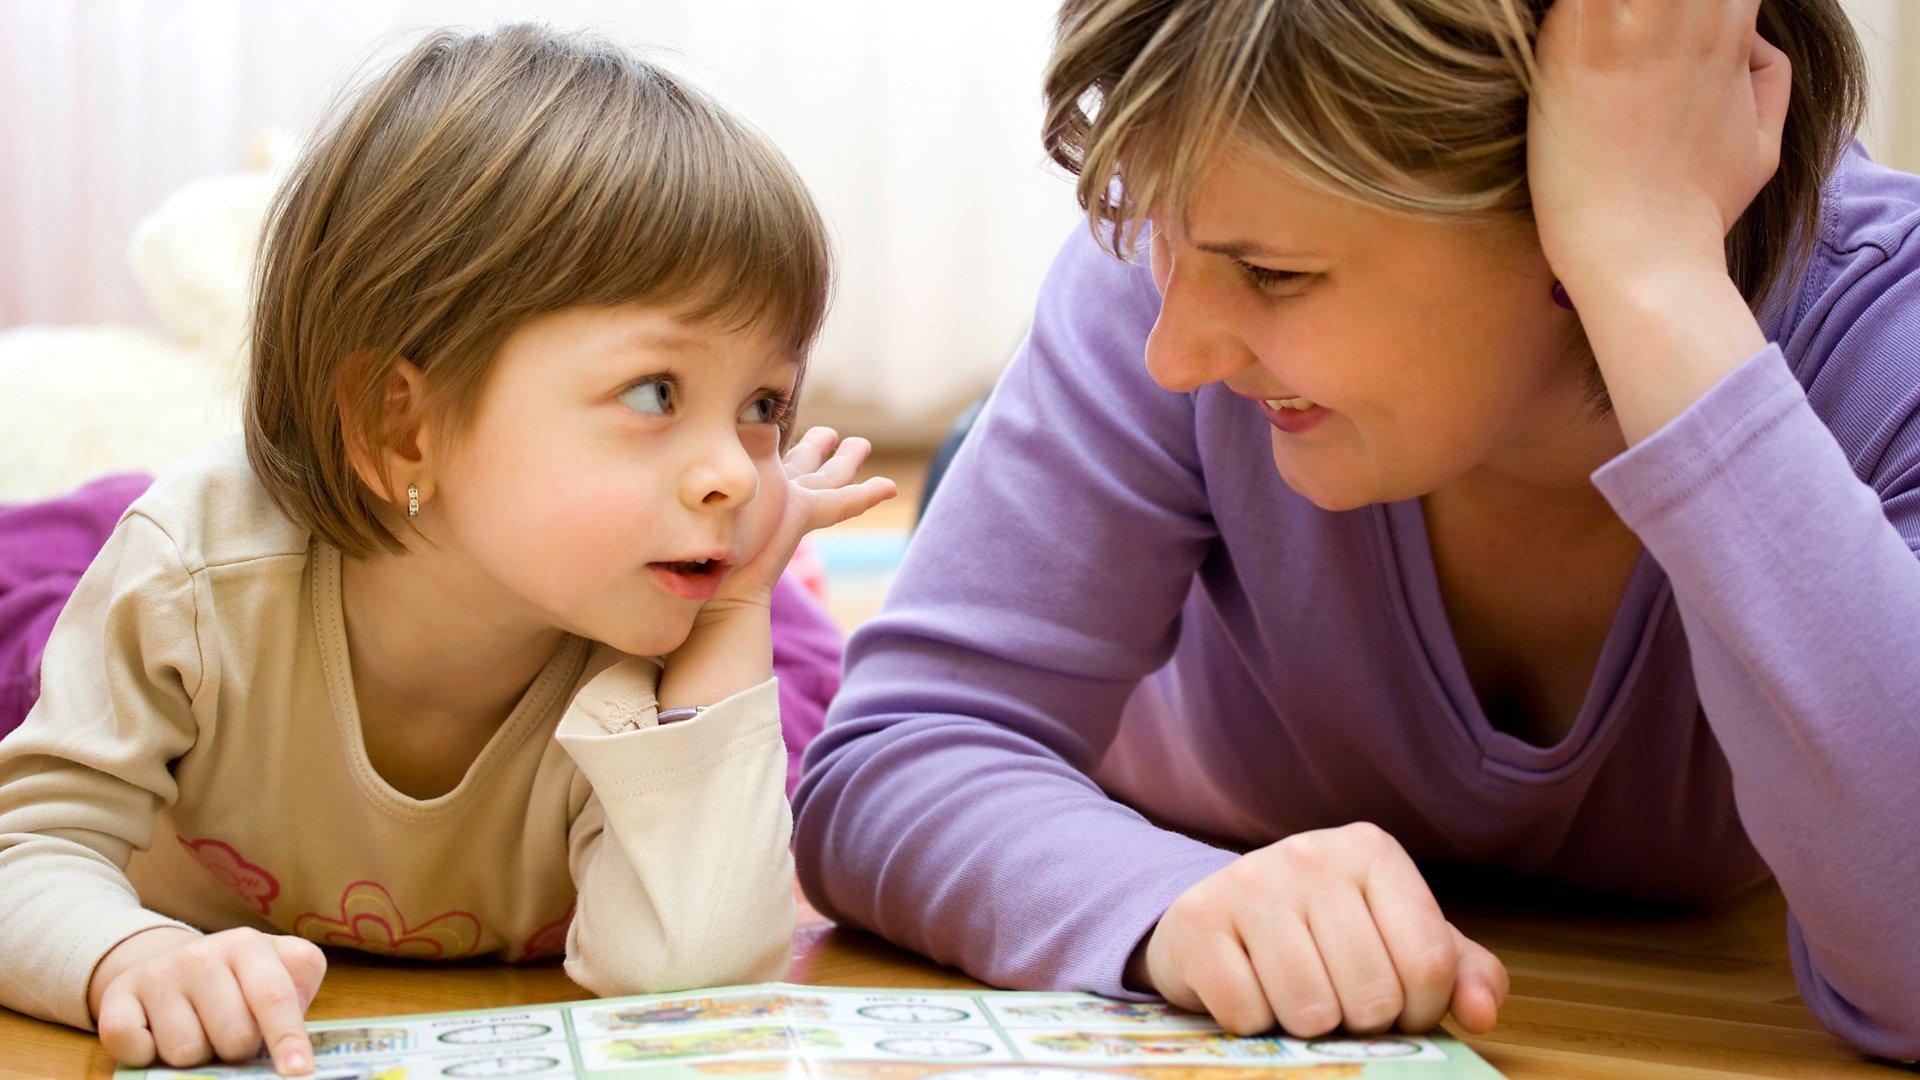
399	454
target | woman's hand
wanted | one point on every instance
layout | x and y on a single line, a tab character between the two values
820	492
1324	929
185	998
1653	126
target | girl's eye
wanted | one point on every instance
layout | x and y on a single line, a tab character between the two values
1267	278
766	409
654	397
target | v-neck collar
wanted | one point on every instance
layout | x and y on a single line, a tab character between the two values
1409	554
534	707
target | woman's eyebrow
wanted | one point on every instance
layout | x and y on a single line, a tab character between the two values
1240	249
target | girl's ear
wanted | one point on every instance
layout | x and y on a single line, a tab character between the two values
401	454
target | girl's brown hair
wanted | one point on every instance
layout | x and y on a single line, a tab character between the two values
482	180
1418	106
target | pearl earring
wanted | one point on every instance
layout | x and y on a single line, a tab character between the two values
1560	296
413	501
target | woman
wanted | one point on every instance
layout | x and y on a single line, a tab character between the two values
1522	474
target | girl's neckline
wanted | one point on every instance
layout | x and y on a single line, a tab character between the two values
547	692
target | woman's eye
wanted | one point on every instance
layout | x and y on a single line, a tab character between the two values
1267	278
653	397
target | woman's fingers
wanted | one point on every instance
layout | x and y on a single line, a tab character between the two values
1480	986
1288	965
1417	937
1357	960
1223	982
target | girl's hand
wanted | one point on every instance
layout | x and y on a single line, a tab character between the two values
1323	929
1653	125
185	998
820	492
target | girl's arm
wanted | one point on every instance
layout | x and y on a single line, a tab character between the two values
680	852
1793	567
84	775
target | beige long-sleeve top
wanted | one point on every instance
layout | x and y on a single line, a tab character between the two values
195	757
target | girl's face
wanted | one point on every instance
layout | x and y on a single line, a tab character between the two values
610	448
1427	349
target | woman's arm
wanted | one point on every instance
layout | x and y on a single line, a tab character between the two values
947	805
1793	567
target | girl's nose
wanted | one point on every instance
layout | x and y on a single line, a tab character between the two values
723	476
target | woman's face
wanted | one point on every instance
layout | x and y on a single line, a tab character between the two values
1426	349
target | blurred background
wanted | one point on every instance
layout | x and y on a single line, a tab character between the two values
135	135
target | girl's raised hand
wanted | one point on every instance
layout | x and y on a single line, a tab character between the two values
186	999
820	492
1653	125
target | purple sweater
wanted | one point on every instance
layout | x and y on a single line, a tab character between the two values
1121	650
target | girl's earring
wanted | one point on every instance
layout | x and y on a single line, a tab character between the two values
413	501
1560	296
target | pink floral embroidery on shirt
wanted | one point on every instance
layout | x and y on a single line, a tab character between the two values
371	922
253	883
548	941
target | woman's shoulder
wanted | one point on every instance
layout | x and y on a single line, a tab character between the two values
1851	331
217	512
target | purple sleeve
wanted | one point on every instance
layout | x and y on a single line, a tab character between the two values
947	805
806	660
1795	574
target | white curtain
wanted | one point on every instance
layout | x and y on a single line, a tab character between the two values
915	124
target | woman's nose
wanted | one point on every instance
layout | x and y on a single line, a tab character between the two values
1193	342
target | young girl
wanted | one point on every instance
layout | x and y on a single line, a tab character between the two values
466	651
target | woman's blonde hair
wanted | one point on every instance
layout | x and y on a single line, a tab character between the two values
482	180
1417	106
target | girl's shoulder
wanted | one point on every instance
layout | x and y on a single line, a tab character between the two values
217	512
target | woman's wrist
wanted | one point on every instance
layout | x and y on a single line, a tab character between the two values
1663	334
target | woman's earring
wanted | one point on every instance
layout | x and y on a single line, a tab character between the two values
1560	296
413	501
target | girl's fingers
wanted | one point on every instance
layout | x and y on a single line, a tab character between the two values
275	1003
840	469
1291	973
177	1036
840	504
1222	979
1480	986
1417	936
810	450
123	1028
1363	976
224	1017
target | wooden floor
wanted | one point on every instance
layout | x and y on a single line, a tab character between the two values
1597	993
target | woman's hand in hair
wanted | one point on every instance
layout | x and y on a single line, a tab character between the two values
1325	929
1653	125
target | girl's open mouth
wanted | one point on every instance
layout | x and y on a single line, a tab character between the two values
697	579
